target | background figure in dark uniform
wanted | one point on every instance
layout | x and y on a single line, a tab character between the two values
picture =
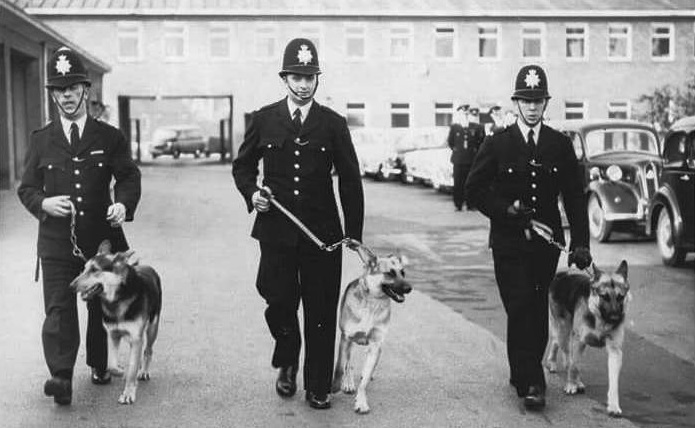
464	140
300	143
517	176
70	163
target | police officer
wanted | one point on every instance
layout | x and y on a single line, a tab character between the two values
517	176
300	142
464	140
67	179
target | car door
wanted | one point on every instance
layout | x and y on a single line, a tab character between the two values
679	172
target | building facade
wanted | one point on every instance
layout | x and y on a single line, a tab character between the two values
385	63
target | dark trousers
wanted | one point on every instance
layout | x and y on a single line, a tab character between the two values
523	279
286	276
61	331
461	171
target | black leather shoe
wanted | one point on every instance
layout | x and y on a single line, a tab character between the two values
318	401
535	398
101	377
520	390
60	389
286	385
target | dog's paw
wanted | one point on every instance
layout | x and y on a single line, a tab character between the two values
143	375
614	411
361	405
117	371
348	385
127	397
574	388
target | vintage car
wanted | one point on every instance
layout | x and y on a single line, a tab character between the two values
672	209
176	139
416	157
376	153
621	165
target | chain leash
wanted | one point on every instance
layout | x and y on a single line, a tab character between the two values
76	251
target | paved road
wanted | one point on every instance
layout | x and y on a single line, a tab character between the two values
211	365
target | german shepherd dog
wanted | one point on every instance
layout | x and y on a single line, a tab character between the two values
365	312
131	299
589	310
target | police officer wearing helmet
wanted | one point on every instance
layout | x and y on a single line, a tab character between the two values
464	139
67	174
518	175
300	142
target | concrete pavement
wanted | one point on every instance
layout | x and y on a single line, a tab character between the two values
211	363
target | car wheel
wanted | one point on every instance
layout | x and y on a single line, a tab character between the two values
207	153
154	155
599	227
176	153
670	254
379	176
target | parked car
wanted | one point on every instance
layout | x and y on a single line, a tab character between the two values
621	165
177	139
672	209
376	153
415	154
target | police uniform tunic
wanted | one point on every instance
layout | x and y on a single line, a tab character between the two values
53	167
507	170
297	167
464	143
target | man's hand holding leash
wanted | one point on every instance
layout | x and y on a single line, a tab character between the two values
57	206
260	199
116	214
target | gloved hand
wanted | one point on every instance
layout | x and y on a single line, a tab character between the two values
580	257
520	214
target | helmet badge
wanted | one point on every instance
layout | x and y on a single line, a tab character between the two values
63	66
304	55
532	79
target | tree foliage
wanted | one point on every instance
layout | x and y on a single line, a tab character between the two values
668	103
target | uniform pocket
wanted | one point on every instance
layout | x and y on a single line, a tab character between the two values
54	172
272	154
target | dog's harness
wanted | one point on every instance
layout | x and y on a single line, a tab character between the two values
266	193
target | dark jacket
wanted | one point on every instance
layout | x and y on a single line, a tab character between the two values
299	175
84	173
465	142
504	172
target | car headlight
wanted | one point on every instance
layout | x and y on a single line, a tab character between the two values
650	174
614	173
594	173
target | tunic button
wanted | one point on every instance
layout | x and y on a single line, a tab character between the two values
79	199
533	185
510	170
77	185
554	169
296	166
296	192
323	149
77	172
76	159
296	179
270	145
533	198
533	173
296	152
50	166
101	164
81	213
297	140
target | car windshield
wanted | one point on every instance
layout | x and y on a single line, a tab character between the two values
163	134
613	140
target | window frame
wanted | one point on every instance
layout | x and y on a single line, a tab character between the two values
362	110
308	29
454	40
139	34
217	26
610	105
183	35
541	37
362	29
411	42
269	31
445	108
671	41
498	44
584	108
585	38
401	110
627	37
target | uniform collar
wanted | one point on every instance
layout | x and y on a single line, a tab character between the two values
304	109
67	123
525	128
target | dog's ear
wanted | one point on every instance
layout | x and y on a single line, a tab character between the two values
404	259
622	270
104	247
130	258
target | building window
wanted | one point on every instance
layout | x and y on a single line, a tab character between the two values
487	41
266	39
355	42
129	41
662	42
401	42
576	42
314	34
619	109
443	114
532	41
619	42
400	115
444	42
575	110
220	41
175	41
356	115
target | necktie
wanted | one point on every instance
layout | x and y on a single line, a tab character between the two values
74	135
297	119
531	143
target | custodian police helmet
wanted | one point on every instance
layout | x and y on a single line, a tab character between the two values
65	68
300	58
531	83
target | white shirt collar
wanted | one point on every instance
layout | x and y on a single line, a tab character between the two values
525	128
66	123
304	109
